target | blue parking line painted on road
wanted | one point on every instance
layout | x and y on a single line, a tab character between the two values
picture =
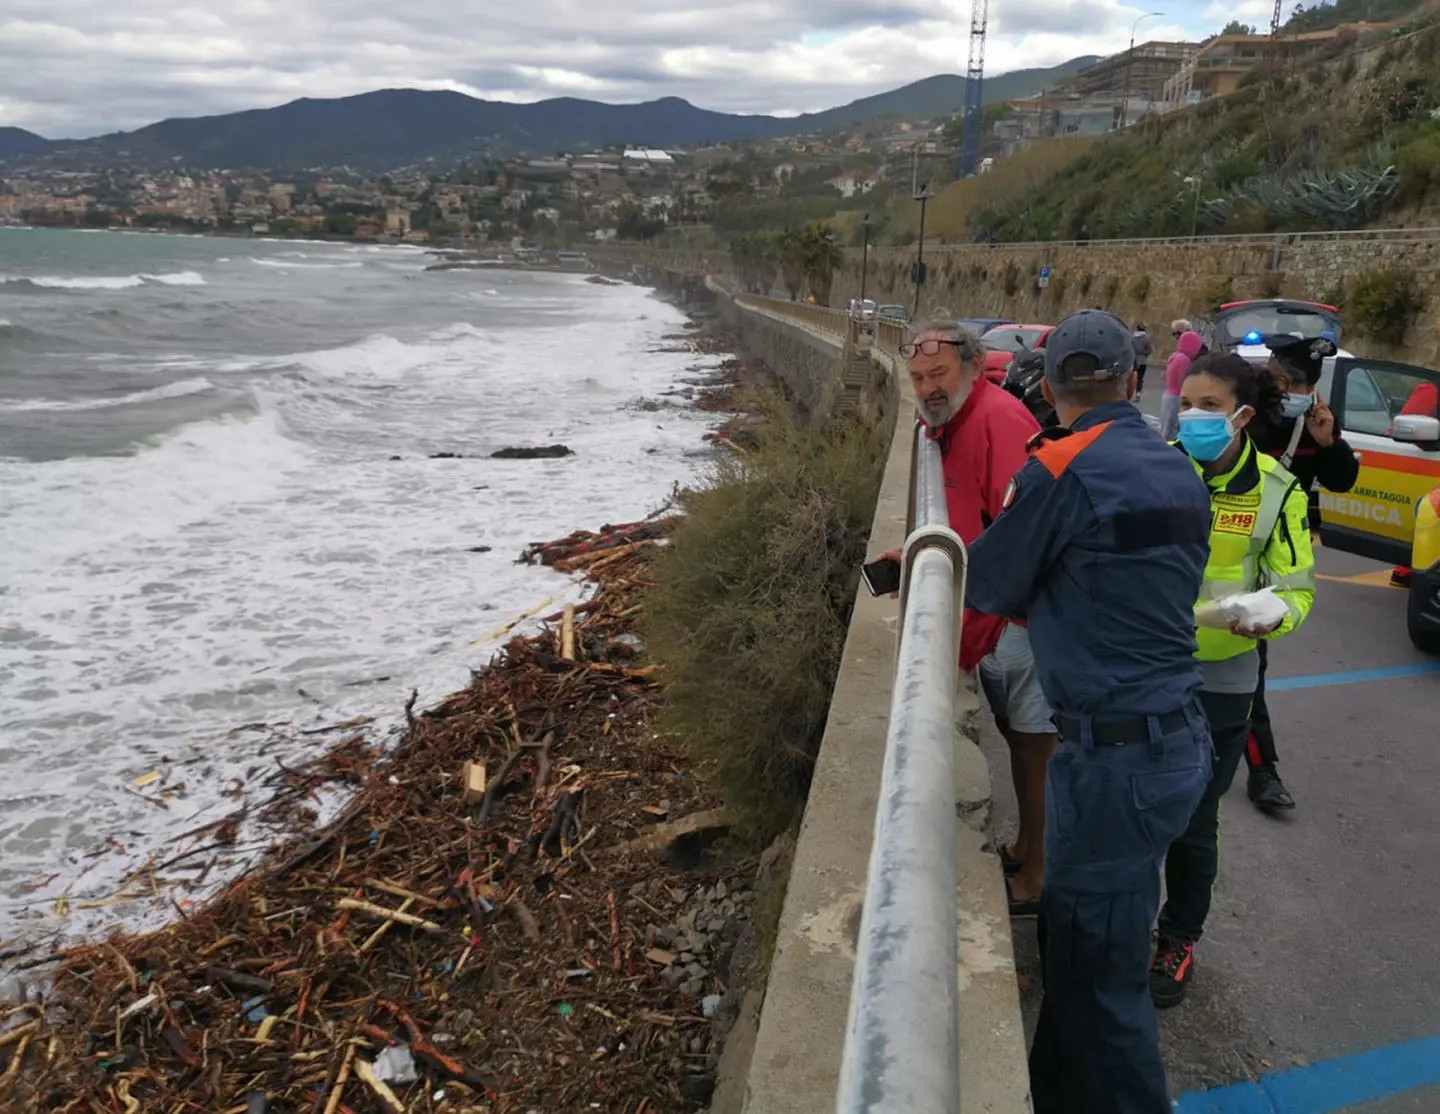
1327	1086
1353	677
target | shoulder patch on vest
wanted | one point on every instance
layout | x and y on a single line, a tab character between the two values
1012	489
1057	455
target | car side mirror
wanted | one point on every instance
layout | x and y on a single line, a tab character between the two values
1415	428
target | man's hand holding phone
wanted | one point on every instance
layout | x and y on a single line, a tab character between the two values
882	575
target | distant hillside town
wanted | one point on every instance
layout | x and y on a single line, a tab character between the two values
619	192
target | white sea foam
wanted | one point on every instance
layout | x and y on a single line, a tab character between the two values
178	389
295	264
261	567
106	282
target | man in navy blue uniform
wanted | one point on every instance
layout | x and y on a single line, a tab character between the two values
1101	548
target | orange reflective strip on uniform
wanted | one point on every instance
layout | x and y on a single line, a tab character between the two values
1057	455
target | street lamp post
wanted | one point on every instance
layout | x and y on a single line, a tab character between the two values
1194	184
1130	69
866	224
919	272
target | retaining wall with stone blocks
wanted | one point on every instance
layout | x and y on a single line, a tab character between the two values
1150	281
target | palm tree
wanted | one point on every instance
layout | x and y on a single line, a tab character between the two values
823	257
792	256
767	262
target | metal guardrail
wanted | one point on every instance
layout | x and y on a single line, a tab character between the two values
902	1043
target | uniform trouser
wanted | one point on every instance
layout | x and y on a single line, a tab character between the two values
1110	814
1194	860
1260	749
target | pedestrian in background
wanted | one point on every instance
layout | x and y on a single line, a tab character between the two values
1102	546
983	431
1187	348
1304	439
1144	349
1259	537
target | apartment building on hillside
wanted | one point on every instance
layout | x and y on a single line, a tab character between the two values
1220	65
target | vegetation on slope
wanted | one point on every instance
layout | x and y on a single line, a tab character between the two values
1331	145
751	607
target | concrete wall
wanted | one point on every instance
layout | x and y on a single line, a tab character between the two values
794	1058
809	366
1151	281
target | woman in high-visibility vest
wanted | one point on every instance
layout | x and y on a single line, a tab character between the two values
1259	537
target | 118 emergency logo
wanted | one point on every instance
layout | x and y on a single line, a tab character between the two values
1234	522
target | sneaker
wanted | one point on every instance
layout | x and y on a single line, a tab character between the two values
1267	791
1170	970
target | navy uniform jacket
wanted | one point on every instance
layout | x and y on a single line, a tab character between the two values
1101	549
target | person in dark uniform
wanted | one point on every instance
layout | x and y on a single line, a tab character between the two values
1101	547
1303	437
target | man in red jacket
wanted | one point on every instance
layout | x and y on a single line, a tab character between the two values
983	431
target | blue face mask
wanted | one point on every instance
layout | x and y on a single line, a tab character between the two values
1205	435
1296	406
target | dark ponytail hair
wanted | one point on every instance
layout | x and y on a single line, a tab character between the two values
1254	384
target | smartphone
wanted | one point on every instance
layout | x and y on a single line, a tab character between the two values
882	577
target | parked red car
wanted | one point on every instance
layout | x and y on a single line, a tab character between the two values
1003	341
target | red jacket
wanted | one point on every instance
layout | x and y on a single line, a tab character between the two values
982	446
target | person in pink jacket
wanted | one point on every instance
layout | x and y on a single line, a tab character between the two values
1186	349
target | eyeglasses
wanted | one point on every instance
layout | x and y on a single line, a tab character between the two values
927	347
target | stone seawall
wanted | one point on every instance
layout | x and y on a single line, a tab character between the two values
808	365
1151	281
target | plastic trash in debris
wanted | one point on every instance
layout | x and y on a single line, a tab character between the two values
628	645
395	1064
709	1004
254	1009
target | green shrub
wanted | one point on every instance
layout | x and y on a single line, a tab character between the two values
1059	284
1011	281
1087	280
748	616
1110	292
1383	303
1217	293
1140	288
1417	166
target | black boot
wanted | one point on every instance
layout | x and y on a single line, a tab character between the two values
1268	791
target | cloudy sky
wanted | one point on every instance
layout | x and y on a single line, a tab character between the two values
73	68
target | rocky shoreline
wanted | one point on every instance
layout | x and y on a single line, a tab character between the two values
564	929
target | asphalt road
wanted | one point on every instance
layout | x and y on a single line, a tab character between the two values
1324	940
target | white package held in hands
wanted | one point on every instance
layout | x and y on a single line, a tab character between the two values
1255	610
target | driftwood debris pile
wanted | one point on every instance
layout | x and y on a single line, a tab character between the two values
486	926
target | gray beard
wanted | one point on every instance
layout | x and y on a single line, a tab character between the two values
937	418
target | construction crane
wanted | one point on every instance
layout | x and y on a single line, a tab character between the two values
974	89
1275	20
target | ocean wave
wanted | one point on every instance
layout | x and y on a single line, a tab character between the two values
178	389
104	282
292	264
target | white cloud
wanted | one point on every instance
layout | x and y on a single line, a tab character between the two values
90	66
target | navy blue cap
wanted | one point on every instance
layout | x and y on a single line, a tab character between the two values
1095	333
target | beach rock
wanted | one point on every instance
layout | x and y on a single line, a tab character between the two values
531	452
447	456
480	549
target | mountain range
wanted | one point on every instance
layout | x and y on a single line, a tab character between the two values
390	128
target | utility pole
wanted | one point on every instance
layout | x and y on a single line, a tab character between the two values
918	271
1130	68
971	140
866	224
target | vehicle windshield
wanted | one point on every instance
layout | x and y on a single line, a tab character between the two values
892	311
1006	338
1254	324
